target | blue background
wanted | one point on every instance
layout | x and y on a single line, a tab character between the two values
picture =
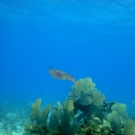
85	39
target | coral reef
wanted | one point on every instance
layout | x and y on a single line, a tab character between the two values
85	112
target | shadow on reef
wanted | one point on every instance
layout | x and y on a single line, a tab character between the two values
85	112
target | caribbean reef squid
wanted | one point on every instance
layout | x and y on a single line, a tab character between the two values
61	75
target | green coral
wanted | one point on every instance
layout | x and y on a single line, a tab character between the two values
56	133
129	128
120	109
38	120
115	121
87	92
87	99
85	86
118	117
54	119
36	115
98	117
41	129
92	128
62	117
98	98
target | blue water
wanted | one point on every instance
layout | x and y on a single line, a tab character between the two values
85	39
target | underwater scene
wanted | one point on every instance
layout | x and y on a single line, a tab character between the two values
67	67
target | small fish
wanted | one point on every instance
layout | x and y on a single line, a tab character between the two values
90	95
75	99
61	75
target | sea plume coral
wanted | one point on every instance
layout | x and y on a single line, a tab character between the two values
36	115
61	118
38	120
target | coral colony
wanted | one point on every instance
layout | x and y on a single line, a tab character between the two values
85	112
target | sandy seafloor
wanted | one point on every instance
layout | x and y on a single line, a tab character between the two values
13	119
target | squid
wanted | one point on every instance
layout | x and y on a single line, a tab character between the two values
61	75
